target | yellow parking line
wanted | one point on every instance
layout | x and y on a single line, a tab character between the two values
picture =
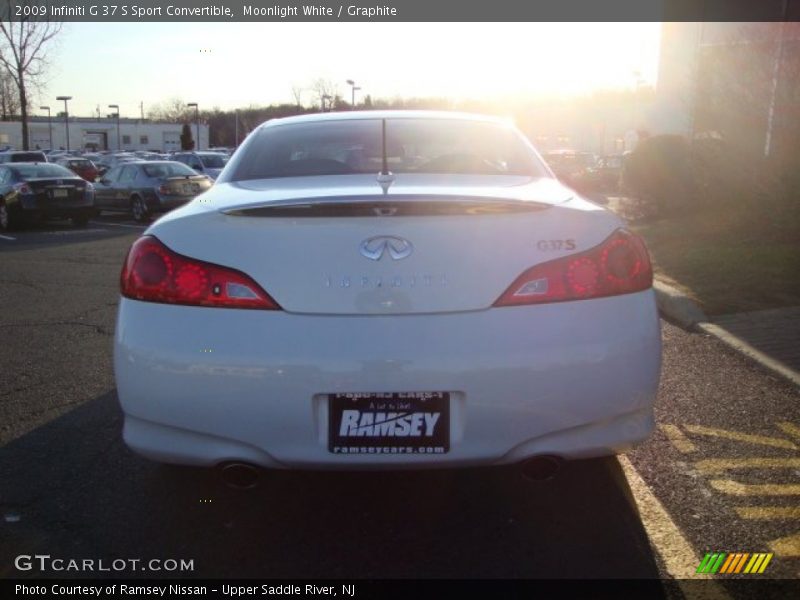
676	552
734	488
741	437
768	512
713	465
785	547
680	441
790	428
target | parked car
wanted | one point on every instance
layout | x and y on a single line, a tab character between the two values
386	289
147	155
31	191
145	188
206	163
82	166
605	175
22	156
109	161
95	157
572	167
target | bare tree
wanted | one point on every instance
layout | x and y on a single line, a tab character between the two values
23	46
324	89
9	97
173	110
245	122
297	94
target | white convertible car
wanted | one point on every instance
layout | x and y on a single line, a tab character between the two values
386	290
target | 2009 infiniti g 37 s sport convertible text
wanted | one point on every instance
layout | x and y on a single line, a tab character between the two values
386	289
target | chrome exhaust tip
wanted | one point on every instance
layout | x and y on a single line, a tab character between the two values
240	476
542	468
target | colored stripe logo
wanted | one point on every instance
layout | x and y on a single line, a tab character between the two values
734	562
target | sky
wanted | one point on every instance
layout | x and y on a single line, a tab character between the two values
230	65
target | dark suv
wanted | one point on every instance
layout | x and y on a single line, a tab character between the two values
22	156
205	163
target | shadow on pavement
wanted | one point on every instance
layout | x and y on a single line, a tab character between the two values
78	492
61	232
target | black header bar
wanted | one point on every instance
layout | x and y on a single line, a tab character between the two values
399	10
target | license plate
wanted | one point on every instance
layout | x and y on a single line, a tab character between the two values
389	423
60	193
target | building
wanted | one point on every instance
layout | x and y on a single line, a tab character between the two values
99	134
731	81
605	122
677	75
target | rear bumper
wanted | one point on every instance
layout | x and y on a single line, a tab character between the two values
159	204
55	208
203	386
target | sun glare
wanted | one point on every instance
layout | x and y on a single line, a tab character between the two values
243	64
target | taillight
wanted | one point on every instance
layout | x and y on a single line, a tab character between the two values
620	265
23	188
154	273
164	189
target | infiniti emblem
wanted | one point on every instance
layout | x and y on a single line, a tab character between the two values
375	247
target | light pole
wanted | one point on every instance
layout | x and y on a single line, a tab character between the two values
66	116
119	139
49	123
353	89
197	121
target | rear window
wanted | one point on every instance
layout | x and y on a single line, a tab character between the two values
213	161
170	169
28	157
412	146
81	164
44	170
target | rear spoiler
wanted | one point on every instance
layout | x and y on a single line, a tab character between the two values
380	205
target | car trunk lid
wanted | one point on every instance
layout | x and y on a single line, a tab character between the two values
185	185
57	188
419	248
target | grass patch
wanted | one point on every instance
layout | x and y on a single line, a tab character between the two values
729	261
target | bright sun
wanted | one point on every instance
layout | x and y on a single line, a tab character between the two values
242	64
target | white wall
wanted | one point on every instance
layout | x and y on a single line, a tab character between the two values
140	135
677	72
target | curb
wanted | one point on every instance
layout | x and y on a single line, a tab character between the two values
746	349
681	309
677	306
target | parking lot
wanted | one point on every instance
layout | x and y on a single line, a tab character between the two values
721	473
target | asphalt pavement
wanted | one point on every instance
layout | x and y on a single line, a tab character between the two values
775	332
721	474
